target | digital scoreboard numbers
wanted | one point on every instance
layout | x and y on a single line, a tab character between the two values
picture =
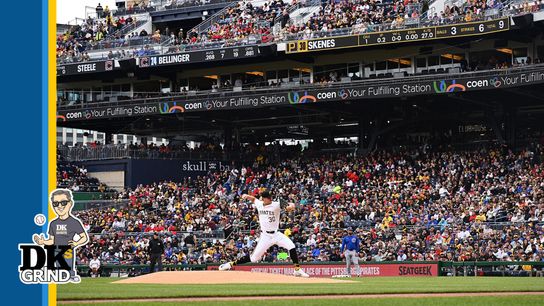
396	36
399	36
228	54
200	56
474	28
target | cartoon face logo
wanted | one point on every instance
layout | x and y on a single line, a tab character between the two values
442	86
62	203
52	259
296	98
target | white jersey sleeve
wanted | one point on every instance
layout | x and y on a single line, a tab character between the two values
258	204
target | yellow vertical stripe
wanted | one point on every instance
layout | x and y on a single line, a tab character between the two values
52	118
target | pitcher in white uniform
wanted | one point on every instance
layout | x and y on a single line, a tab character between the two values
269	221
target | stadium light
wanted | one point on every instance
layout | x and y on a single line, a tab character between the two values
259	73
505	50
348	124
452	56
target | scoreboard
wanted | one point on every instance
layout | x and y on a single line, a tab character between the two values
399	36
200	56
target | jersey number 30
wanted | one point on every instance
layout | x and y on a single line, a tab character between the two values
272	219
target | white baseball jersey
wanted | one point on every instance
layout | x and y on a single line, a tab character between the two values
94	264
269	215
269	220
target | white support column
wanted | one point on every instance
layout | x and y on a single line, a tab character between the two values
74	137
63	135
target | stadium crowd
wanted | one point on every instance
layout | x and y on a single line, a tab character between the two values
424	204
93	33
356	14
243	20
248	23
75	178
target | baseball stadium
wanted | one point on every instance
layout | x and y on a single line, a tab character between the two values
302	152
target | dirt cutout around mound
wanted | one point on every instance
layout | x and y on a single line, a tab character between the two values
223	277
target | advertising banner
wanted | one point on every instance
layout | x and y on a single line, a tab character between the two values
330	270
353	91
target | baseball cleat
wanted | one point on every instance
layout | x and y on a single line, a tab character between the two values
75	279
300	273
225	266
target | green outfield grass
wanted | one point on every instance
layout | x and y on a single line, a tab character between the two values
443	301
103	288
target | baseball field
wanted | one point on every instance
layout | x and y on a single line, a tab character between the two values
355	291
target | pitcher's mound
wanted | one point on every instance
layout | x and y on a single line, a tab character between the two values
222	277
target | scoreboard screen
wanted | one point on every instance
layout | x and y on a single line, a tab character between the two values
200	56
399	36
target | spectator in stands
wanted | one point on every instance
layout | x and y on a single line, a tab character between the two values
94	265
393	199
99	11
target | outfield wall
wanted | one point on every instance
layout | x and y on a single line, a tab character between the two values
148	171
376	269
330	270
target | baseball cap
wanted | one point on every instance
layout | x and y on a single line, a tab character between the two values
266	194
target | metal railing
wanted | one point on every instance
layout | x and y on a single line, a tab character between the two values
122	270
298	87
117	152
308	5
202	235
100	204
187	4
201	27
131	27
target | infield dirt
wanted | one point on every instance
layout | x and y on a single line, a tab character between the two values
223	277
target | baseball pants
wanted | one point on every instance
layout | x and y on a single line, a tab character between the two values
352	258
154	259
266	241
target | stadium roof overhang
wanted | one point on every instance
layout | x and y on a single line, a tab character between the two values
339	119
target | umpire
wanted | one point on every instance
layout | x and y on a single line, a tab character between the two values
350	249
156	249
